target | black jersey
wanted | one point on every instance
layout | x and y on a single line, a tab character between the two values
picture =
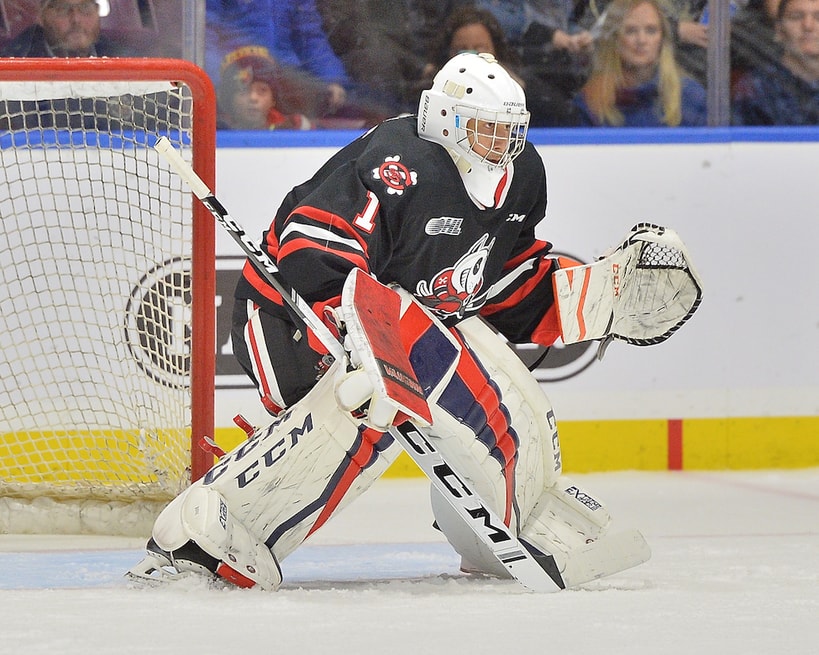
394	205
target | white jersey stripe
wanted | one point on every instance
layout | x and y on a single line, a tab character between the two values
501	285
318	234
260	357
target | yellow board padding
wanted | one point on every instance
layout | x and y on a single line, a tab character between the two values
589	446
707	444
751	443
76	458
618	445
228	438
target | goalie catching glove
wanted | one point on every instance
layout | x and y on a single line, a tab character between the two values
641	293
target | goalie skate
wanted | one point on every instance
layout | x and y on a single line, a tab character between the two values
159	567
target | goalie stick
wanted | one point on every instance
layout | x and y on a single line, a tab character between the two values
533	570
252	249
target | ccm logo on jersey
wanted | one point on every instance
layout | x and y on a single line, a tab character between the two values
515	218
395	175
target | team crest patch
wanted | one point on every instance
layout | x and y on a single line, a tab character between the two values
458	289
395	175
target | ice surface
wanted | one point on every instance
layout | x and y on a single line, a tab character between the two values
735	571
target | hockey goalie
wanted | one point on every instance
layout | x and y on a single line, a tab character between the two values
415	245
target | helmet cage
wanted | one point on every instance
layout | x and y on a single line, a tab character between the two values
501	133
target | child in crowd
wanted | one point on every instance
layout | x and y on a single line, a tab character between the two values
248	96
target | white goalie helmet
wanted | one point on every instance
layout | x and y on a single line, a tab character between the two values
477	111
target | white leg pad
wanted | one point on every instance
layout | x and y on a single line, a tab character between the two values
529	420
208	522
264	498
168	531
552	513
564	518
291	476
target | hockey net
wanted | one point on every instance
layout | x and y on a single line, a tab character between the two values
106	292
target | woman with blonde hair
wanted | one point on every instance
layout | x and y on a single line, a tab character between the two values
635	79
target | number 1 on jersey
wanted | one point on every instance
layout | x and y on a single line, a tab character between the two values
364	220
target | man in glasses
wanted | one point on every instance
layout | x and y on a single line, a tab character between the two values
64	28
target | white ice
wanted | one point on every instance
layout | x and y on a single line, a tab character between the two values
735	570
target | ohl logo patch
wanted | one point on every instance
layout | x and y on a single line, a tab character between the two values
395	175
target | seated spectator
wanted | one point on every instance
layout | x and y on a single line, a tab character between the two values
785	92
470	29
292	32
64	28
550	40
384	46
71	28
555	38
753	38
248	93
635	79
689	25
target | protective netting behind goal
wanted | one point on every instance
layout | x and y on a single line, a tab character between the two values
96	328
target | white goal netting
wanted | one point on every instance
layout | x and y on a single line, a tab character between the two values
96	243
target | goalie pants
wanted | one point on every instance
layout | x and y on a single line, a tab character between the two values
275	354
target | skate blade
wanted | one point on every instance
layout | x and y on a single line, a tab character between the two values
155	571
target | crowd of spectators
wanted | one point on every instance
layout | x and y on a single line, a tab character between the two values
307	64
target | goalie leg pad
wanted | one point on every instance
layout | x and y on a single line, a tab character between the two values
196	533
243	558
291	476
500	414
567	523
565	517
264	498
555	516
495	427
572	525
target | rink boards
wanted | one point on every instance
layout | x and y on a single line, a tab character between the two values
737	387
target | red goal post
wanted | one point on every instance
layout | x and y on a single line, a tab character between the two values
107	292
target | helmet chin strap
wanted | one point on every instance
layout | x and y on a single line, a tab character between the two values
482	181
